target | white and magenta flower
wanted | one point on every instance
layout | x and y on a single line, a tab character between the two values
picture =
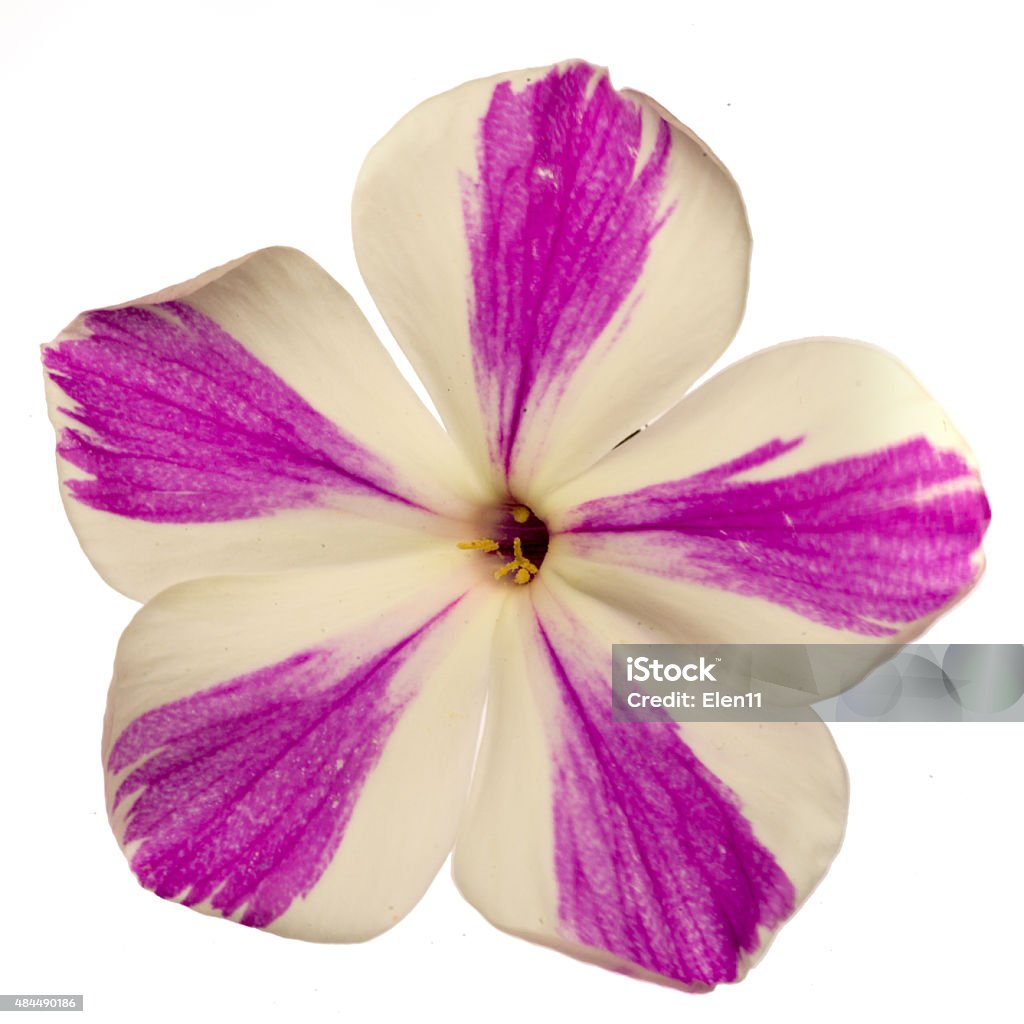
369	640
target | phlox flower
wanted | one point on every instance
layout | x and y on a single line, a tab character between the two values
369	641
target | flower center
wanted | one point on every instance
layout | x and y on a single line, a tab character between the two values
518	538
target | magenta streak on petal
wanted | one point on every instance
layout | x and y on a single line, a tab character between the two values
559	225
181	424
654	860
248	787
858	544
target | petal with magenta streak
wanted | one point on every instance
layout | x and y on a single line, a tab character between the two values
247	420
669	852
292	751
812	493
539	243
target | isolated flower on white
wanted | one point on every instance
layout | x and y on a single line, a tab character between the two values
336	586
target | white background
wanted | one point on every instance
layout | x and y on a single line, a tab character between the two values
878	147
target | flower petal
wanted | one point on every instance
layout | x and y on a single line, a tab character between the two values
539	244
293	751
812	493
667	852
223	424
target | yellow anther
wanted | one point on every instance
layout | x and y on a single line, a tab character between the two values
504	570
478	545
521	559
520	513
524	569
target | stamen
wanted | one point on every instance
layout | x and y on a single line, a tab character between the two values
478	545
525	569
512	542
521	559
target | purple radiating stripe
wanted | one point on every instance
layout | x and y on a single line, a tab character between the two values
247	788
181	424
654	860
858	544
559	225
